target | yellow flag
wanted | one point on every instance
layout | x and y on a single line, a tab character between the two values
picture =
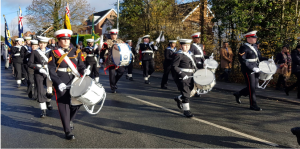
67	23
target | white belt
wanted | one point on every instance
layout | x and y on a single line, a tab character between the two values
18	54
65	69
90	55
39	65
187	70
147	51
252	60
198	55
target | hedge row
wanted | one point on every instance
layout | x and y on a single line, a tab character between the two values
82	37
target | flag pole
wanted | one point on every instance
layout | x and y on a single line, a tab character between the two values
118	15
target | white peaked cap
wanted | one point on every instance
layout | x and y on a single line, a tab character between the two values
63	33
90	40
19	39
43	39
251	34
34	42
114	31
27	38
196	35
185	41
146	36
128	41
172	41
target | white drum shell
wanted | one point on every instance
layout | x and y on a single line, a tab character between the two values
212	64
267	70
122	56
210	79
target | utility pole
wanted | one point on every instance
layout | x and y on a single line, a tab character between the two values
118	15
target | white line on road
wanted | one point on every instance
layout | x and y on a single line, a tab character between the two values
208	123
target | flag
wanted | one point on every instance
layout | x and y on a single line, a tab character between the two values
67	23
77	39
20	24
7	34
162	38
93	30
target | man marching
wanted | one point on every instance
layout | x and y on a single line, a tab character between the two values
147	57
17	53
168	62
130	66
91	58
31	86
115	72
38	61
66	63
249	57
184	64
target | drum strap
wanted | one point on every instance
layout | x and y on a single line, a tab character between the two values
67	60
42	55
199	49
190	57
252	48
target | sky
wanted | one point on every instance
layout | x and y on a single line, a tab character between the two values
9	8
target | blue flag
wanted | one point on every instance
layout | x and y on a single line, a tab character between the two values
7	35
77	39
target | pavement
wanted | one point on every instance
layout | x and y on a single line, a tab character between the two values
267	93
145	116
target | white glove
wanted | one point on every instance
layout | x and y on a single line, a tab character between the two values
256	70
43	71
87	71
151	43
101	60
155	47
185	77
271	61
62	87
211	57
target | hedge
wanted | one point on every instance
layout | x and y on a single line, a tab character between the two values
82	37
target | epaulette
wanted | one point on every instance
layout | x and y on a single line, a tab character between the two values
55	55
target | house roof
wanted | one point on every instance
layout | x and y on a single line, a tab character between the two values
189	8
99	16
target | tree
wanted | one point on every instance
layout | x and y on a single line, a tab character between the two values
43	13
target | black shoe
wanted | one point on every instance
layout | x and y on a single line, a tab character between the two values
130	78
296	131
237	97
43	114
70	136
188	113
127	77
255	108
24	82
71	125
164	87
147	82
179	103
49	106
113	91
286	92
197	95
49	95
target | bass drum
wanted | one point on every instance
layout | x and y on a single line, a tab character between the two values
121	54
89	93
204	80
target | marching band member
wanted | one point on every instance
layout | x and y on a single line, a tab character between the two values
184	64
115	73
31	90
130	66
91	59
65	63
147	57
38	61
249	57
17	53
168	62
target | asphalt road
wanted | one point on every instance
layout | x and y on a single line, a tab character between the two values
145	116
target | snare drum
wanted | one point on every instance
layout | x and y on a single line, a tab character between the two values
204	79
211	64
121	54
89	93
267	70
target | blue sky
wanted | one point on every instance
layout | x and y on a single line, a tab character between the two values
10	8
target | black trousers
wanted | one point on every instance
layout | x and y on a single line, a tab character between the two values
252	83
94	69
31	86
130	68
148	67
185	87
18	70
40	80
281	80
67	112
24	71
167	69
115	75
297	84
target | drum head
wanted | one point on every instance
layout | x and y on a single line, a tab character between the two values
121	54
267	67
211	63
77	91
203	78
116	54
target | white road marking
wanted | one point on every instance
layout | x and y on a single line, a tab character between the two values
208	123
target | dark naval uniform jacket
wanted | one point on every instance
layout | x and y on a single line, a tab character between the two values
147	51
91	53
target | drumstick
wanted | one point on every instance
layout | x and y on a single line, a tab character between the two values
84	75
194	76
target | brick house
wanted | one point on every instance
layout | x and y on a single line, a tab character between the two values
103	21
